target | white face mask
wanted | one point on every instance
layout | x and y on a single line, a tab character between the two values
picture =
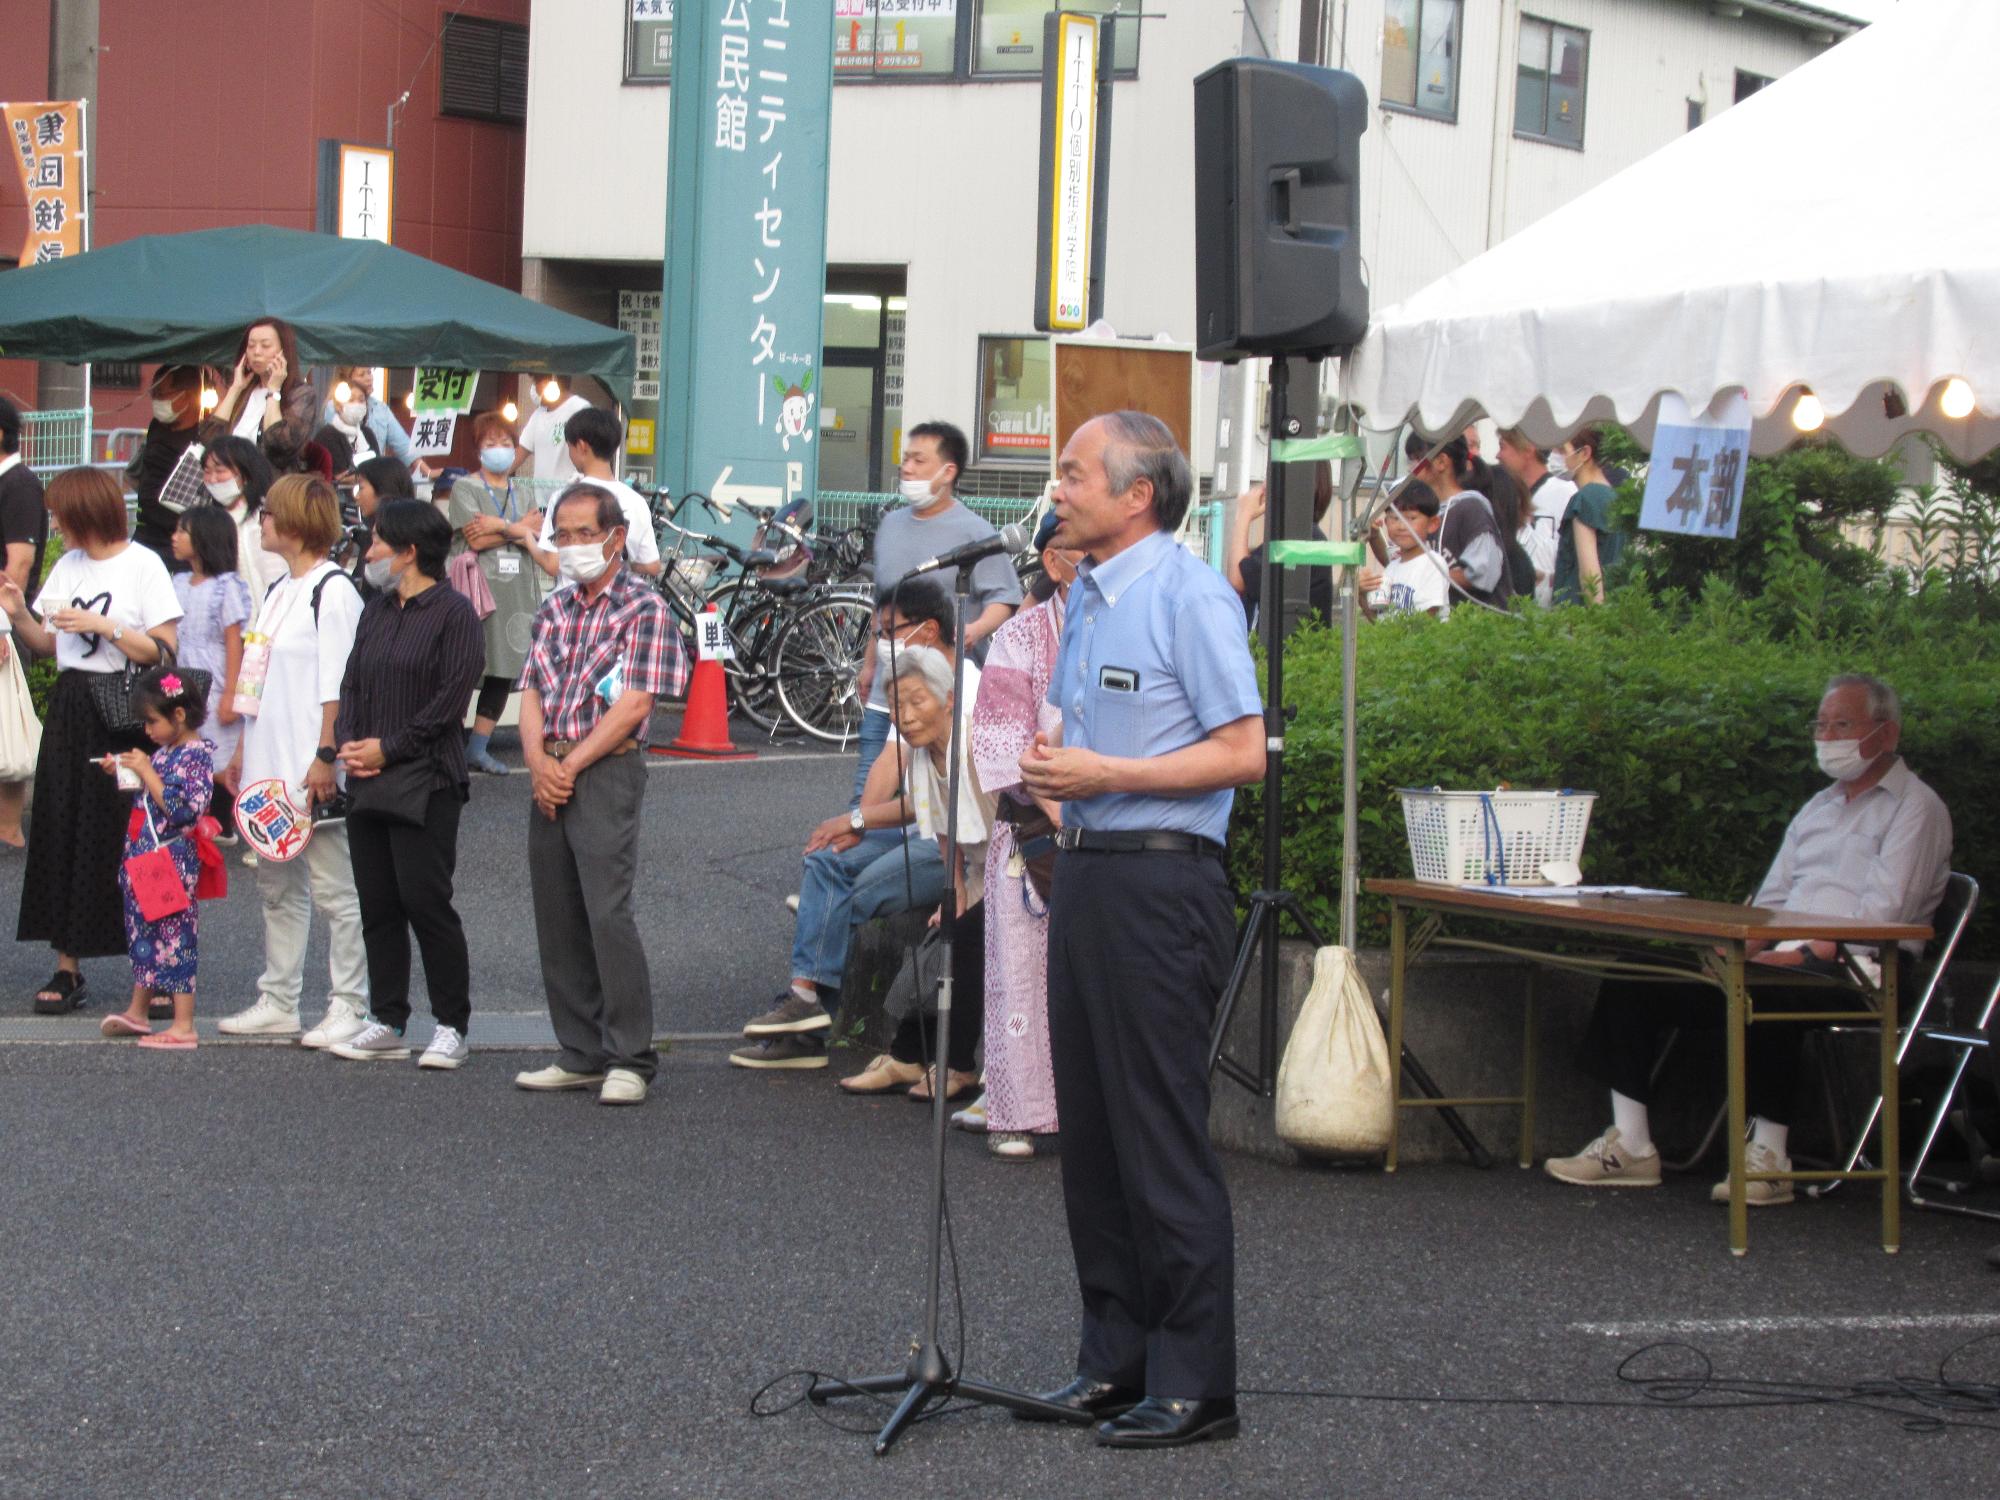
380	573
163	411
1842	760
224	491
582	563
917	491
1558	465
353	412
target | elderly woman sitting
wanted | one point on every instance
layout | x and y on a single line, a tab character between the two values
917	758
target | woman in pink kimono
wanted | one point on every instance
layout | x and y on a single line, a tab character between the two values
1020	1102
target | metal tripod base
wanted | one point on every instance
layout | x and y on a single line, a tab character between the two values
928	1380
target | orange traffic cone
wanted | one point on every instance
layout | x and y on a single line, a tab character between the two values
705	723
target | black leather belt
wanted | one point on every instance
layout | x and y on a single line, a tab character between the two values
1136	841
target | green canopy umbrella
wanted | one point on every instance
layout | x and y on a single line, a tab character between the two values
188	297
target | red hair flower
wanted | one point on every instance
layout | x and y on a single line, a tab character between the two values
171	685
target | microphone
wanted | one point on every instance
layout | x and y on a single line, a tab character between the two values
1010	538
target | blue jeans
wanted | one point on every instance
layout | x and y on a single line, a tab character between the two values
874	735
840	890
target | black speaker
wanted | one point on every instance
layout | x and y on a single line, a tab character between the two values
1277	210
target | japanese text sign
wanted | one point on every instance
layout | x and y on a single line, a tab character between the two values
271	820
432	433
1071	176
746	248
47	142
711	637
443	390
1694	483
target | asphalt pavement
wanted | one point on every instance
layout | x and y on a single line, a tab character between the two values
253	1272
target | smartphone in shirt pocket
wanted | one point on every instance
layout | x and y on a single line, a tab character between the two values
1118	713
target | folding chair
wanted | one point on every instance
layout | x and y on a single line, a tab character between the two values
1967	1043
1953	916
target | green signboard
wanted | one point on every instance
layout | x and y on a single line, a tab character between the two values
746	249
443	390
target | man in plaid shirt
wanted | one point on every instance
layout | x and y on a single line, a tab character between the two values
604	649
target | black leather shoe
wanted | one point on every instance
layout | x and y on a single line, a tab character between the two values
1093	1398
1158	1422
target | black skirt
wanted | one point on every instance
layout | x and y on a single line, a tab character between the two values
76	833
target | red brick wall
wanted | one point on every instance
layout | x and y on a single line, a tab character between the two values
210	113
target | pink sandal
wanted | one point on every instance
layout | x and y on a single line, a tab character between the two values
166	1041
119	1024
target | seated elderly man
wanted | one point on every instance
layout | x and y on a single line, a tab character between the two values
1876	845
860	864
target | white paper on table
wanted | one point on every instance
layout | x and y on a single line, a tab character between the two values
1570	892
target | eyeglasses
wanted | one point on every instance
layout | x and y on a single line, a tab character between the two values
1839	729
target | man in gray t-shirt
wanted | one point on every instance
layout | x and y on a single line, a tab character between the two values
935	454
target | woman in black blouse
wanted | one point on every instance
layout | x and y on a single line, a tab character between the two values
418	652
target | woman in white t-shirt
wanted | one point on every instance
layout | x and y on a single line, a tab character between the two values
105	603
308	622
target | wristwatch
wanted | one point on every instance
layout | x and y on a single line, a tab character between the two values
855	821
117	634
324	755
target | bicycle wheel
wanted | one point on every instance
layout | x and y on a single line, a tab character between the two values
754	620
816	664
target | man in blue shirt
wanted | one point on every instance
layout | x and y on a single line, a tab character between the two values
1161	721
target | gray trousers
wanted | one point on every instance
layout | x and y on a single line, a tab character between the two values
581	866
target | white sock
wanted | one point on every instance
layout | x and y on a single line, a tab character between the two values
805	991
1633	1120
1769	1133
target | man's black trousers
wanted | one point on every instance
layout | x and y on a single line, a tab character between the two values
1139	949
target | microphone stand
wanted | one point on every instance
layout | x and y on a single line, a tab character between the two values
928	1378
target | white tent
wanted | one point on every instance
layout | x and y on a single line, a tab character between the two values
1836	233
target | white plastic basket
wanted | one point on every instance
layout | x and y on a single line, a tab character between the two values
1493	838
694	571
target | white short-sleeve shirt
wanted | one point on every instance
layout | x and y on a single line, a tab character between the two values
543	436
307	664
130	588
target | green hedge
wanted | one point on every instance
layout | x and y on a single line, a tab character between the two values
1688	721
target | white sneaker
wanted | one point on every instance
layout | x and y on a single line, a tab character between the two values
792	902
265	1018
622	1086
556	1077
1607	1162
1758	1158
372	1043
341	1024
447	1050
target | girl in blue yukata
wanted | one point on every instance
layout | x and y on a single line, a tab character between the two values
176	783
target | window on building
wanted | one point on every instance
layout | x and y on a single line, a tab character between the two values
483	69
895	38
1548	91
1748	84
1015	419
1696	112
116	375
649	41
1420	56
1008	33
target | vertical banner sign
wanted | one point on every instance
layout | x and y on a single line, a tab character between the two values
746	249
47	141
367	192
1069	172
1694	481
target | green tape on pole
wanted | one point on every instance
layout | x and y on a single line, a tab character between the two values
1320	554
1329	445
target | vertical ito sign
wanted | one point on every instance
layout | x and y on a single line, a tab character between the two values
47	141
367	192
742	312
1076	135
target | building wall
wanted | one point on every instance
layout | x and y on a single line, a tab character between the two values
940	179
210	113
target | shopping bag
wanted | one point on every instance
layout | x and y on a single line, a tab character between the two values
1334	1083
20	730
